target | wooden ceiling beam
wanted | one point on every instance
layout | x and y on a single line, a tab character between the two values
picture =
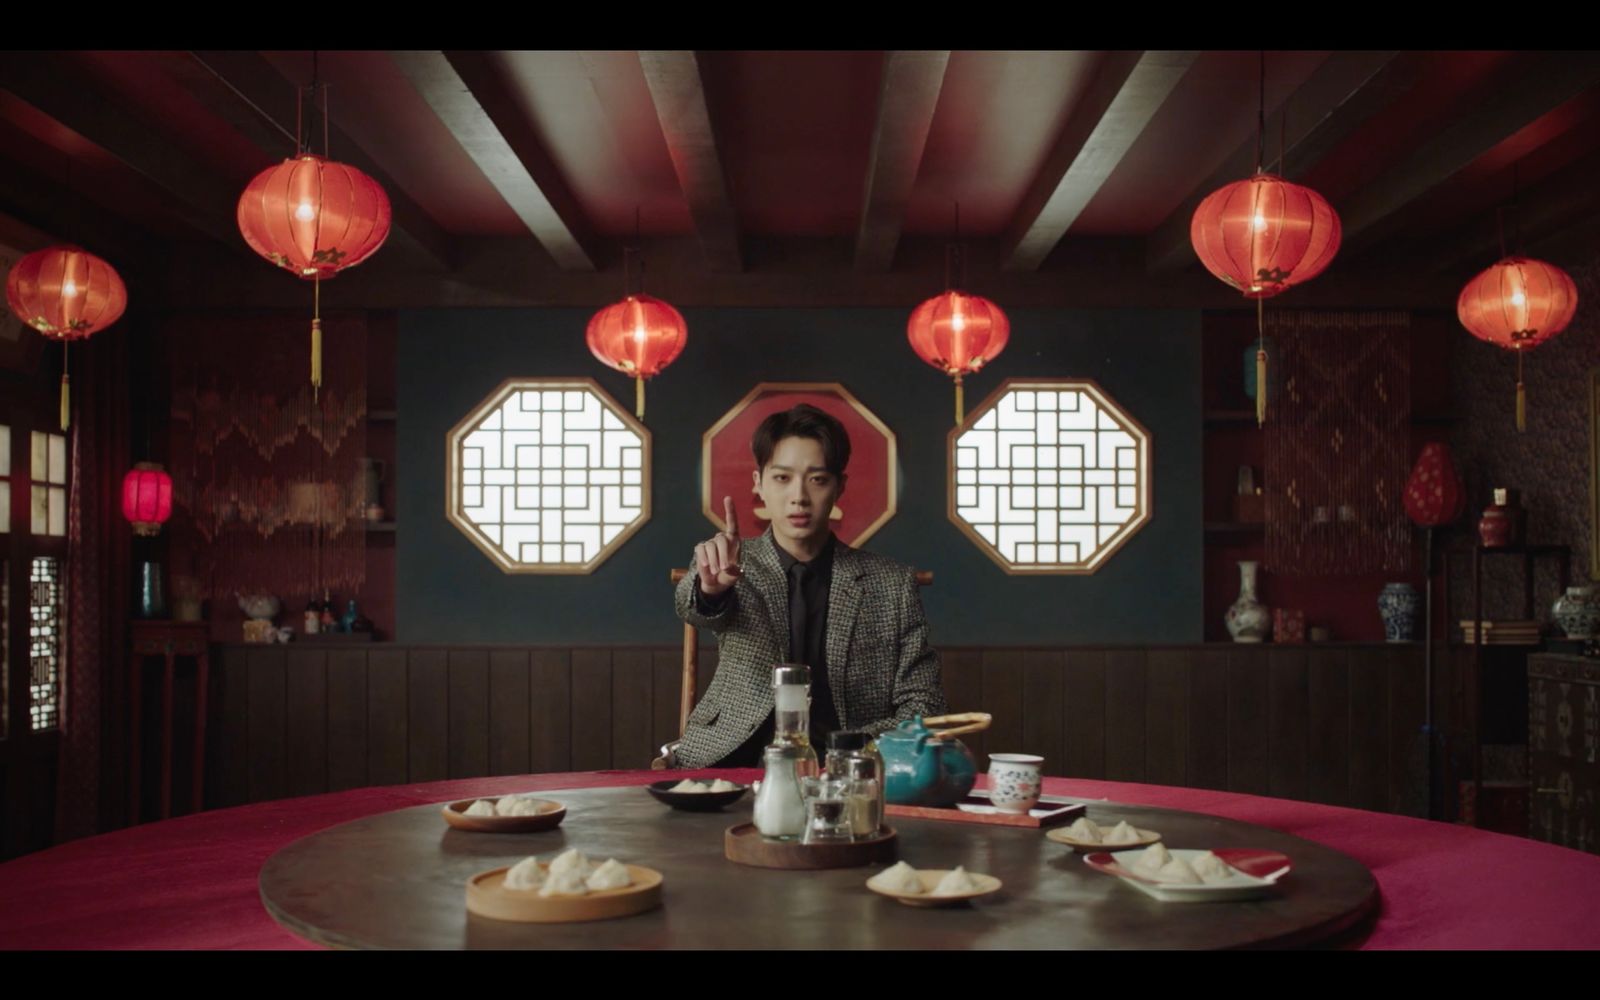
1344	92
206	200
906	103
474	103
678	91
1536	85
1128	91
258	102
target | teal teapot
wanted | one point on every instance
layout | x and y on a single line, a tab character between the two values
927	767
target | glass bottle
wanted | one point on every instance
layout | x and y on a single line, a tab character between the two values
854	759
779	808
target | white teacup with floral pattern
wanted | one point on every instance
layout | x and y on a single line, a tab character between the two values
1014	781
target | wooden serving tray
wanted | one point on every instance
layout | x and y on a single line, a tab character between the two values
487	896
549	816
744	844
1050	812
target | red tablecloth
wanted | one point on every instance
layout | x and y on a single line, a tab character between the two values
191	882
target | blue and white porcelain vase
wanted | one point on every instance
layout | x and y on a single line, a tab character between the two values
1248	619
1398	605
1578	613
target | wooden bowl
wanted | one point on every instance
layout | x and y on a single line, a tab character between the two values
930	879
1060	836
745	845
694	801
549	816
487	896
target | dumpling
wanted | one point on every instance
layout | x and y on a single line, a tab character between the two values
519	807
1178	870
901	878
525	874
1123	833
723	785
482	807
611	875
572	860
1211	868
1085	830
1152	860
955	883
566	882
687	785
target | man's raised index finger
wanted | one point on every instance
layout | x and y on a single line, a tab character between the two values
731	516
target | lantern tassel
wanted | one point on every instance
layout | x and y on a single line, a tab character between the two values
961	402
1261	363
1522	398
66	388
638	398
316	337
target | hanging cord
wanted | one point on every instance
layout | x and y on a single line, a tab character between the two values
1261	111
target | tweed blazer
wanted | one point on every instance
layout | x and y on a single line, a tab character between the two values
880	666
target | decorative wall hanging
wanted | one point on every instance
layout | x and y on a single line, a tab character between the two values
955	332
638	336
548	475
871	496
1264	235
1049	476
1336	456
66	294
265	469
314	217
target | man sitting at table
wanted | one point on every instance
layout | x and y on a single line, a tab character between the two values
798	594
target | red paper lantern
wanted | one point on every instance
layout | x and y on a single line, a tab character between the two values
66	294
1434	495
147	498
314	217
1518	303
1264	234
958	334
638	336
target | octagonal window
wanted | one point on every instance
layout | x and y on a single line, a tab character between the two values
548	475
1049	476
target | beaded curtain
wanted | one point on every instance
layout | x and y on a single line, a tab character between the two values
264	475
1337	435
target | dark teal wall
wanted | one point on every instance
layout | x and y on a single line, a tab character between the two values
1149	361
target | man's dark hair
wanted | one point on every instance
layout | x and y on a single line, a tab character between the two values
803	420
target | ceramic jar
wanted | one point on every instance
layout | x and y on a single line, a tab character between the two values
1248	619
1398	603
1578	613
1501	521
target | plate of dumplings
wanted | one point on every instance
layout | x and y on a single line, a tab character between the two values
1192	876
568	888
931	886
1086	835
697	796
505	814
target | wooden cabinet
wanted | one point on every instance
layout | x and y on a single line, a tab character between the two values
1563	743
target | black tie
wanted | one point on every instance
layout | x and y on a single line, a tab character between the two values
797	612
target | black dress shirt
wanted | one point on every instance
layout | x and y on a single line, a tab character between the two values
808	644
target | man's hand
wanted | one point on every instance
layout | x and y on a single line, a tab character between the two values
717	558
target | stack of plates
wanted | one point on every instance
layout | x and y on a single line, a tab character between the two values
1511	633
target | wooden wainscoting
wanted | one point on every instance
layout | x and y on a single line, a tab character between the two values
1324	723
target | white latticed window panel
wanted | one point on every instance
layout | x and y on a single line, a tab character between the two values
44	647
1050	477
549	476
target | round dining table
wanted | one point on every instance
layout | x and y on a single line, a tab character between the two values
194	882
